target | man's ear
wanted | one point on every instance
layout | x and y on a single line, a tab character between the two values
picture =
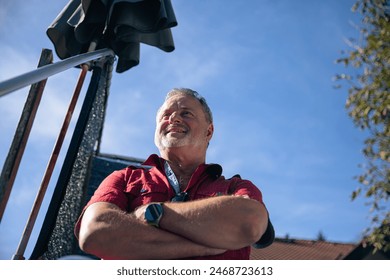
210	131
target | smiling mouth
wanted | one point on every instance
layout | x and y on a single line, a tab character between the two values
176	130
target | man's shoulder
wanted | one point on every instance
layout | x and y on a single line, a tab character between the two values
152	161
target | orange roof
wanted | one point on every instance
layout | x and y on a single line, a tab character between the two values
295	249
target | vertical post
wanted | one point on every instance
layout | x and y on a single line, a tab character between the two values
12	162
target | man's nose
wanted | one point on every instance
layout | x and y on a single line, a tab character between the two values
174	118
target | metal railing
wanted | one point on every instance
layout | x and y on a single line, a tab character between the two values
46	71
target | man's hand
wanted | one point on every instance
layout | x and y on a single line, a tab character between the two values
139	213
229	222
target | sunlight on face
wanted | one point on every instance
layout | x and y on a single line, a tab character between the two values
181	122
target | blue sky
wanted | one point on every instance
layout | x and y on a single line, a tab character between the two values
266	69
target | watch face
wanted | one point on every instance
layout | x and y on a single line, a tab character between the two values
153	214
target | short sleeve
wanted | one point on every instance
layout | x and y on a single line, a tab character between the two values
241	187
110	190
247	188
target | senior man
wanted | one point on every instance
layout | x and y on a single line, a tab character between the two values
175	206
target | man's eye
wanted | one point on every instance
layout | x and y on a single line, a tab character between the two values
187	113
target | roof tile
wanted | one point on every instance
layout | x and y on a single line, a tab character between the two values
295	249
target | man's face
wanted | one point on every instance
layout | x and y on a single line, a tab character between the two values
181	122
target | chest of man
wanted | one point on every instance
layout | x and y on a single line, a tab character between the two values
144	187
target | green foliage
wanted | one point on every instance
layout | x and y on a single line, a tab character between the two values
368	104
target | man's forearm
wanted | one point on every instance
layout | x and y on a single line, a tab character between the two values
110	233
228	222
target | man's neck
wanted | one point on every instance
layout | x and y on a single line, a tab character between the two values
183	164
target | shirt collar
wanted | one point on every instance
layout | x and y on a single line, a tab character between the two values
213	169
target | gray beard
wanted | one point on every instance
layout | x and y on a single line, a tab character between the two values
166	142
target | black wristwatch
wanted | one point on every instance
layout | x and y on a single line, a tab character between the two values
154	213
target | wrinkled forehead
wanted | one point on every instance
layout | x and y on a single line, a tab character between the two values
180	101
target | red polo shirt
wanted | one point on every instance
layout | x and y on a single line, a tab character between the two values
132	187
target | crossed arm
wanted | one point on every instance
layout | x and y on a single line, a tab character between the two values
196	228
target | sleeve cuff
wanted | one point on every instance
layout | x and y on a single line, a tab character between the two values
267	238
